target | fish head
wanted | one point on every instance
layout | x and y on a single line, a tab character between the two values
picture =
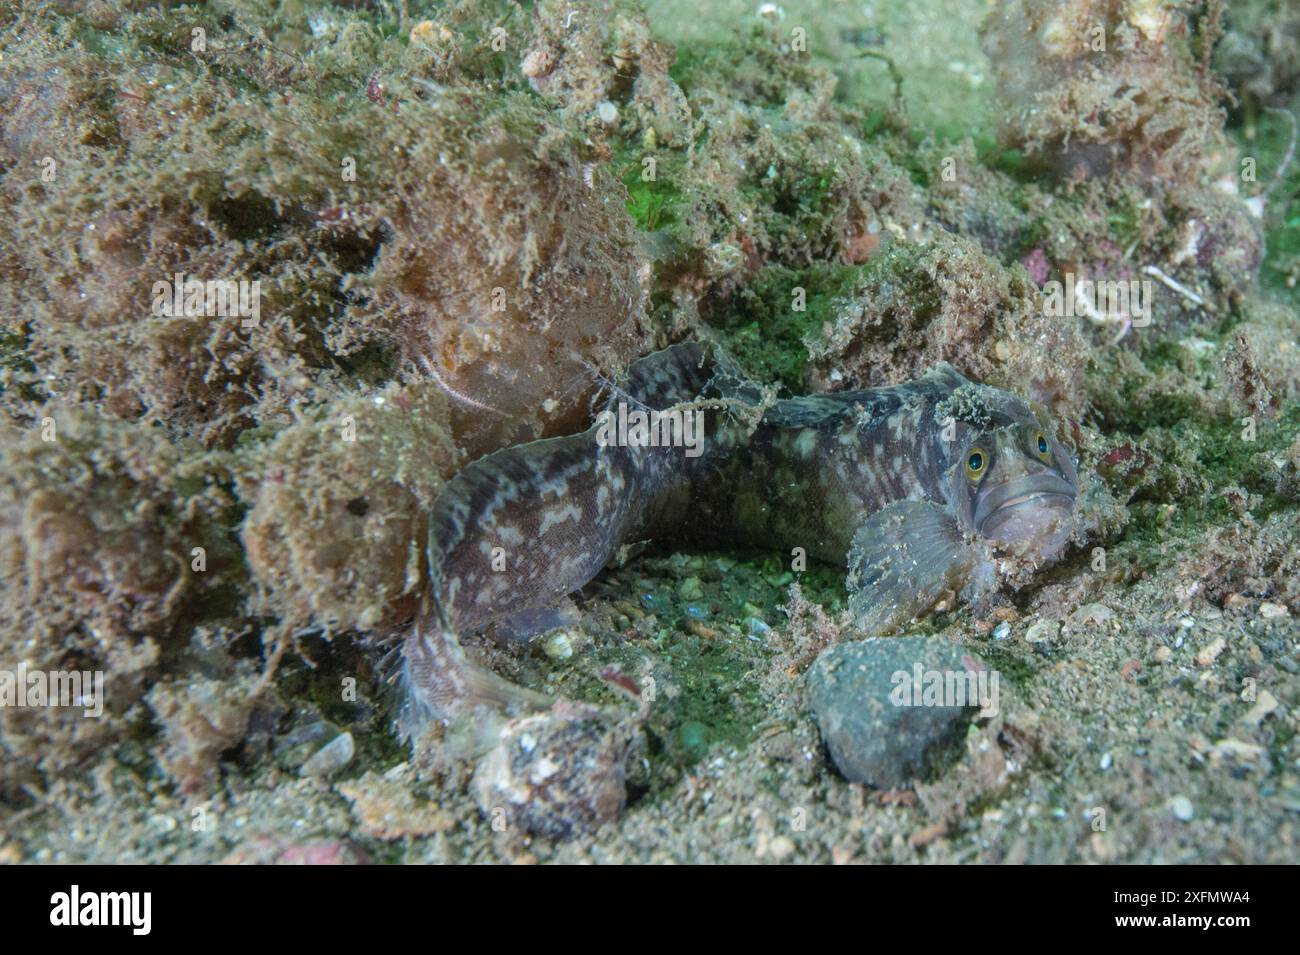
1012	481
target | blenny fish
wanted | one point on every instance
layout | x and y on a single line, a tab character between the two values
928	492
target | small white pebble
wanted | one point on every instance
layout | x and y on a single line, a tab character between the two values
1043	631
1106	761
559	646
1211	651
781	848
1182	808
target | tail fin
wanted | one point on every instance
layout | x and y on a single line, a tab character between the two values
440	682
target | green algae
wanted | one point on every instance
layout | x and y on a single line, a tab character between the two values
1270	139
766	332
652	198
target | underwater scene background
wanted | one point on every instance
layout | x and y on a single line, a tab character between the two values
274	272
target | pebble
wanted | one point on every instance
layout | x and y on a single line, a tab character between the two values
1265	704
1106	761
331	757
870	739
781	848
557	774
537	63
1209	653
1272	611
387	807
628	610
1002	631
1090	614
1163	654
606	112
703	630
1182	808
1043	631
274	850
690	589
1237	749
558	646
694	737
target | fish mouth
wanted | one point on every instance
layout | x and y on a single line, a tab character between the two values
1025	508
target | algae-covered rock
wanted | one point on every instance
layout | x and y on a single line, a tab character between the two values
511	274
1097	86
114	184
1261	362
108	532
200	720
950	301
1260	50
339	504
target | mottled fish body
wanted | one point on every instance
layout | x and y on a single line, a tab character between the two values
934	487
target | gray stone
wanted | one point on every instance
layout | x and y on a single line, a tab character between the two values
883	728
331	757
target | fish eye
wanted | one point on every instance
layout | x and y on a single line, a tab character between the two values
976	462
1042	446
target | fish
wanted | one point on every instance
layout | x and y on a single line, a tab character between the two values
929	492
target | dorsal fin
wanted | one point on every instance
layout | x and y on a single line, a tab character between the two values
946	376
685	372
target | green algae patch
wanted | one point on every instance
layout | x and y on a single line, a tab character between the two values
652	191
1267	137
768	320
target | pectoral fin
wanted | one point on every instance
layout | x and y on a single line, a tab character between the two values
903	560
442	682
527	625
